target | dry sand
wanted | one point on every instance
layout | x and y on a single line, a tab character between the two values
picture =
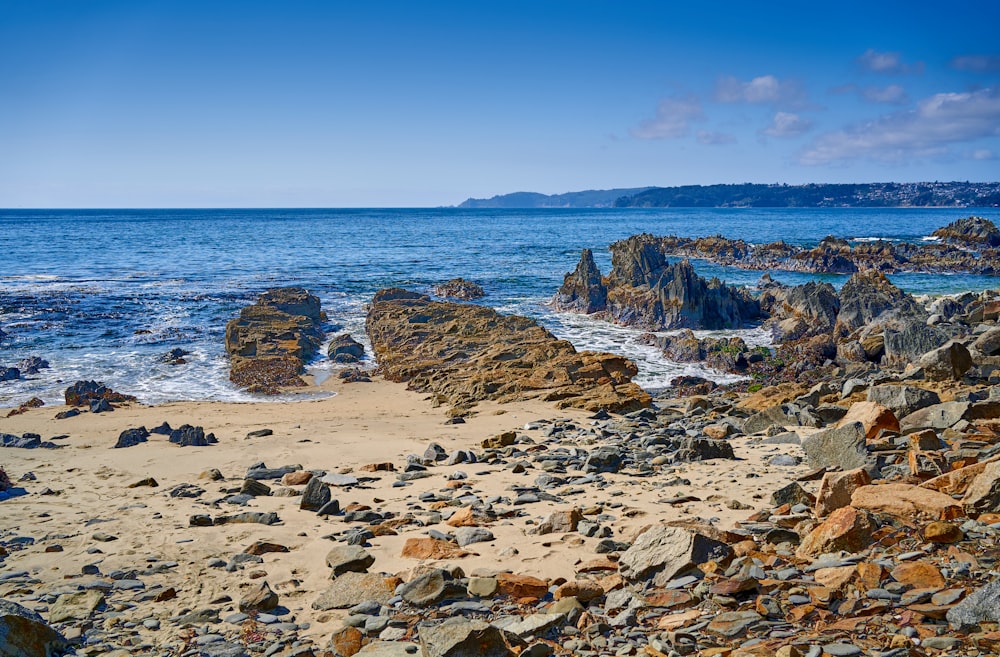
364	423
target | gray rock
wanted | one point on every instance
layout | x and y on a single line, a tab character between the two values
938	416
469	535
662	553
983	605
983	494
583	290
459	637
315	495
348	558
703	449
843	447
902	400
23	633
430	588
351	589
132	437
604	459
781	415
948	362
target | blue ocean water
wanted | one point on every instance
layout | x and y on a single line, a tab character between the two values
103	294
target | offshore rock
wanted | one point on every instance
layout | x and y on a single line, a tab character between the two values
466	353
271	340
583	290
459	288
23	633
970	231
83	393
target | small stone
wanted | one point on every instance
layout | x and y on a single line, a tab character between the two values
259	598
943	532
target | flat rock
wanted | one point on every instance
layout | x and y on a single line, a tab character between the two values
460	637
906	501
662	553
354	588
348	558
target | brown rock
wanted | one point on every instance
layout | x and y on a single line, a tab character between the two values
943	532
431	548
926	465
836	488
846	528
835	578
906	502
668	598
467	353
263	547
581	589
873	417
983	495
719	431
924	441
561	522
919	575
259	598
870	574
297	478
464	517
522	586
500	440
956	482
347	641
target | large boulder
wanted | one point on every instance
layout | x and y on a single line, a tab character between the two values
23	633
983	495
83	393
902	399
799	311
974	232
466	353
864	297
948	362
662	553
847	528
583	290
271	340
906	502
461	637
344	348
906	340
982	605
843	447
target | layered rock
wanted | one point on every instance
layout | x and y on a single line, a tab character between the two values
583	290
271	341
466	353
799	311
866	296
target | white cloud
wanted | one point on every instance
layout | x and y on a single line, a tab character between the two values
937	122
891	95
882	62
715	138
786	124
977	63
673	119
763	89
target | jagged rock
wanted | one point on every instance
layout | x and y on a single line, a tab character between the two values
9	374
901	399
83	393
271	340
583	290
970	231
983	494
561	522
938	416
864	297
459	288
950	361
460	637
32	365
354	588
843	447
132	437
5	482
874	417
792	494
467	353
799	311
987	344
188	436
315	495
662	553
781	415
23	633
982	605
606	458
345	349
75	606
259	597
175	356
846	528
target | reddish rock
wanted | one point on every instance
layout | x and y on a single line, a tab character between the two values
581	589
561	522
983	495
906	502
297	478
464	517
874	417
522	586
347	641
870	574
668	599
923	441
943	532
836	488
431	548
847	529
919	575
263	547
956	482
835	578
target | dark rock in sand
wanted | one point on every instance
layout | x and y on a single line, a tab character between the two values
25	441
583	290
164	429
23	633
315	495
83	393
101	406
703	449
5	482
345	349
189	436
132	437
459	288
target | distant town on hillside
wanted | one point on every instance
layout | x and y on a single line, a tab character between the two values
751	195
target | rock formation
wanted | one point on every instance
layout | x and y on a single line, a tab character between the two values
466	353
271	340
459	288
583	290
970	231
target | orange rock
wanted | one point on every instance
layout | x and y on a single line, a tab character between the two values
925	440
919	575
870	574
680	619
943	532
297	478
522	586
989	518
906	502
581	589
836	488
835	578
431	548
378	467
668	599
847	528
744	548
347	641
611	582
873	416
983	495
464	517
956	481
718	431
926	465
597	565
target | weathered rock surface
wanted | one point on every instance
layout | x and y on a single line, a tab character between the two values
83	393
466	353
459	637
970	231
662	553
271	340
459	288
583	290
23	633
843	447
906	501
345	349
847	528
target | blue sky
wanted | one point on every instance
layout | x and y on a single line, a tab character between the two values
335	104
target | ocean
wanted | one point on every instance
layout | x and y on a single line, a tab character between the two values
104	294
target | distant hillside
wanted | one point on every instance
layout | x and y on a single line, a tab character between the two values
591	198
872	195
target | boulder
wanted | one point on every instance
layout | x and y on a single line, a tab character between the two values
75	606
836	488
874	418
83	393
583	289
189	436
466	353
661	553
956	482
23	633
906	502
864	297
901	399
800	311
906	340
132	437
983	495
781	415
973	232
348	559
345	349
459	288
315	495
948	362
842	447
271	340
847	528
982	605
938	416
460	637
431	588
354	588
693	449
259	597
987	344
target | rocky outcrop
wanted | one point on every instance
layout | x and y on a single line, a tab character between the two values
85	393
798	311
466	353
344	348
866	296
459	288
271	341
971	232
583	290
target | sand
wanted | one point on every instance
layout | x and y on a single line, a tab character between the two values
363	423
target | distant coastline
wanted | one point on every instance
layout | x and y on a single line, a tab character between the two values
750	195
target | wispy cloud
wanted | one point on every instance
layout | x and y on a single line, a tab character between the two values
977	63
674	116
763	89
887	62
937	123
786	124
715	138
890	95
